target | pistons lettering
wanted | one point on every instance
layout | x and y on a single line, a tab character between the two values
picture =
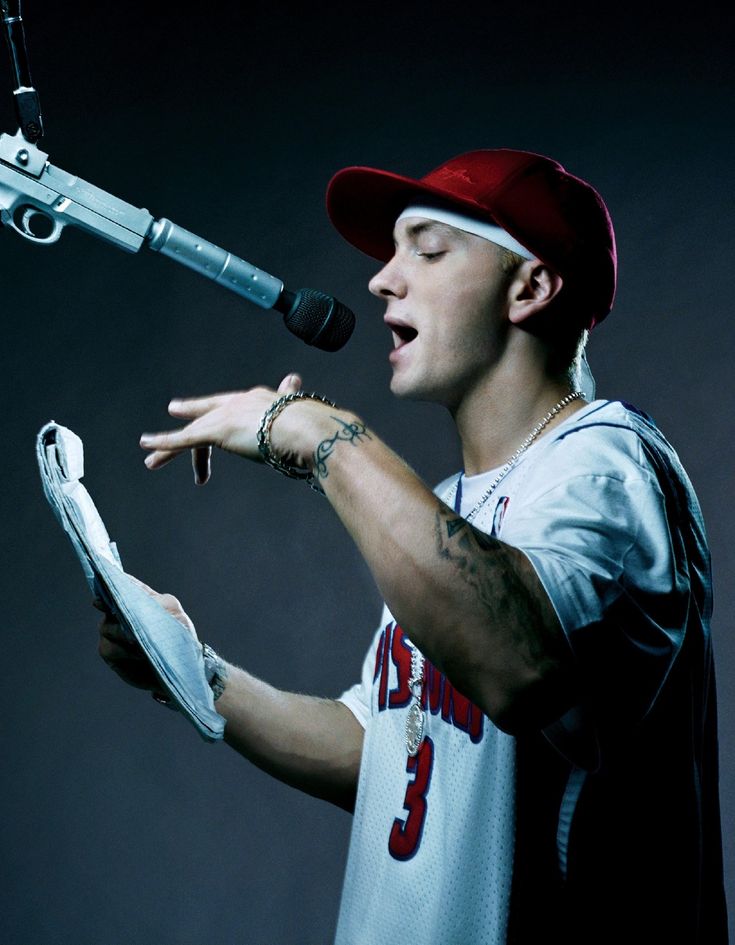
393	671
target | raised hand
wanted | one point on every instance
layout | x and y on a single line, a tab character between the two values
229	421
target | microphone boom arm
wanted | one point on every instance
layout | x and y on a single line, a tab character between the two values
38	200
215	263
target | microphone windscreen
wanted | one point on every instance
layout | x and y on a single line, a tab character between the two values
319	320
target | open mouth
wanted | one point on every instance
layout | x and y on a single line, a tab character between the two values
402	334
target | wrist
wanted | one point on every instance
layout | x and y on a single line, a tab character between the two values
343	429
215	670
290	430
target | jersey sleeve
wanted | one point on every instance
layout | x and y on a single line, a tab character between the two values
604	550
358	697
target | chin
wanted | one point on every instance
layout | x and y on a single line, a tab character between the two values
402	386
397	388
406	388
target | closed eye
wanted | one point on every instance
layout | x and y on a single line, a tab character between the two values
430	256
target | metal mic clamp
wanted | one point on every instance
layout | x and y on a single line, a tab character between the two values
27	103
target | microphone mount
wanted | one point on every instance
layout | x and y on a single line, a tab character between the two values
27	103
38	200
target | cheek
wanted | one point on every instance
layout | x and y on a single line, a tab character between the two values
464	307
471	323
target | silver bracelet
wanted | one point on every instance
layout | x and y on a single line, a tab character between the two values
215	670
264	436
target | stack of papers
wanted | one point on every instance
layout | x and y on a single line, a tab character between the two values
174	652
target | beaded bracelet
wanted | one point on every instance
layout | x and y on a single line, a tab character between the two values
264	436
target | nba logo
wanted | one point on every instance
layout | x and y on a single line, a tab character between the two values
499	515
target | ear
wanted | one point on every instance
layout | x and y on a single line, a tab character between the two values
531	290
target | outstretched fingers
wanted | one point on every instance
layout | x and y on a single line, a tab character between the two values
173	442
167	446
191	408
159	458
229	421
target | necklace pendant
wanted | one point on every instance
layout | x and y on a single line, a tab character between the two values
414	729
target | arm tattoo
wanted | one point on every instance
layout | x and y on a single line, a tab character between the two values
463	545
488	567
455	525
352	433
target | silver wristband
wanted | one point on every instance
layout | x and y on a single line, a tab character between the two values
264	436
215	670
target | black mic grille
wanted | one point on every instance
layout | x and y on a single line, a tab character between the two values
319	320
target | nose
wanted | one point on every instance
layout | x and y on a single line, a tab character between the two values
389	281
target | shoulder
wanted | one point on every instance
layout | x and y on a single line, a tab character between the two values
608	463
609	439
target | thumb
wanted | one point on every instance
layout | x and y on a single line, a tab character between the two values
290	384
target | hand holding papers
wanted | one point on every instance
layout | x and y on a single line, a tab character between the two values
173	650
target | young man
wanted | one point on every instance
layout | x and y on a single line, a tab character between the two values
531	751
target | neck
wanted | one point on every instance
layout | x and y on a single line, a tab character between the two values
494	419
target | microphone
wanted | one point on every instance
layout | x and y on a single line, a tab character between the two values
314	317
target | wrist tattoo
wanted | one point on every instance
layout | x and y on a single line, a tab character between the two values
352	433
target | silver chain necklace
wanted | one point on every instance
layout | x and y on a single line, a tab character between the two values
415	721
532	436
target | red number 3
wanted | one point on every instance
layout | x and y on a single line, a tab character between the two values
405	835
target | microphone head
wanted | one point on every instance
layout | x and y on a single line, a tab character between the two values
319	320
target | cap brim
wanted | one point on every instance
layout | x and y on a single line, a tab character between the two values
363	204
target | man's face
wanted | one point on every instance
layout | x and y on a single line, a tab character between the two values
446	298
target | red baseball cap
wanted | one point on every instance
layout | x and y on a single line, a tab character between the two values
557	217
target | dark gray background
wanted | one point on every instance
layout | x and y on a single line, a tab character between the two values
120	825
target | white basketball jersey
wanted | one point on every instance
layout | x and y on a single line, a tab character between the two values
431	853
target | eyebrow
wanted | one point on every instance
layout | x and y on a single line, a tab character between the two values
416	229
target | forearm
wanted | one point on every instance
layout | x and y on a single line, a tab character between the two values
474	605
310	743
